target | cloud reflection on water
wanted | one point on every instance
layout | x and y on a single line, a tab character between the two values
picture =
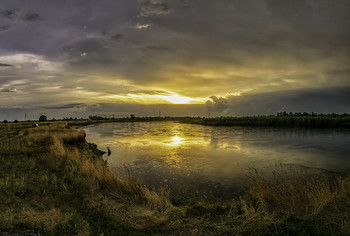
192	155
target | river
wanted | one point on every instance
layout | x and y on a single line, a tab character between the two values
214	162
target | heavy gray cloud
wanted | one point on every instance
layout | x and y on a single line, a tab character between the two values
86	51
151	7
116	37
11	14
8	66
325	100
32	17
5	65
217	105
17	14
4	27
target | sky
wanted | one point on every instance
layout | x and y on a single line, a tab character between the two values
180	57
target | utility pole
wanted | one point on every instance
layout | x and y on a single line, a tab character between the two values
25	116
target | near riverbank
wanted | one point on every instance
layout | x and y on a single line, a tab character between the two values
52	181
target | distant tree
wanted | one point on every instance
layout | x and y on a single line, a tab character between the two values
132	117
97	118
15	121
43	118
5	121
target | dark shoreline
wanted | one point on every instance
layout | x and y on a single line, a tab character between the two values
297	120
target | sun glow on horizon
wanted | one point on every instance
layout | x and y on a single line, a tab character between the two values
177	99
152	99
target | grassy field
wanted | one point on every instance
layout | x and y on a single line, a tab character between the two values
52	182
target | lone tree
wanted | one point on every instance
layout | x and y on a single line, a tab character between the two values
42	118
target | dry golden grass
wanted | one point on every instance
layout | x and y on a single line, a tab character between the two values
54	182
299	194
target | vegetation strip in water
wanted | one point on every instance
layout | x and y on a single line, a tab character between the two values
54	182
324	121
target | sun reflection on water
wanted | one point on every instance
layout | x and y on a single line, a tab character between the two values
176	140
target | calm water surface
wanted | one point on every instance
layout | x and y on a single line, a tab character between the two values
215	161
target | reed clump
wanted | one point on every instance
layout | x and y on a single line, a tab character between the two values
312	205
54	182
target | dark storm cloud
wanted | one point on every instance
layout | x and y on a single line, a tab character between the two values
116	37
11	14
249	34
4	28
195	48
157	48
65	22
322	100
66	106
86	46
291	11
16	14
151	7
216	104
5	65
32	17
2	65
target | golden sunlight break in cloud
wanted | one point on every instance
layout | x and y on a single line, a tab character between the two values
171	98
178	99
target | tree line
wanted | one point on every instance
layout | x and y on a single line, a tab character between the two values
284	113
284	120
281	119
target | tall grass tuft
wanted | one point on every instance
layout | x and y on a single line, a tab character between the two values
300	194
